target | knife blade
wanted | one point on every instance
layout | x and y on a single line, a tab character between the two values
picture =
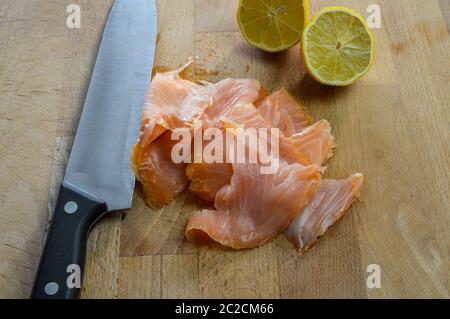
98	177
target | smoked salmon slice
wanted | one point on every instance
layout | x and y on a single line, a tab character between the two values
284	112
227	94
328	205
161	178
254	208
173	102
248	207
208	178
230	101
315	142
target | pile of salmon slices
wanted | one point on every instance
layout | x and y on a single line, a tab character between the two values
248	206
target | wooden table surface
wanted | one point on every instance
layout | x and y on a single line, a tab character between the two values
393	126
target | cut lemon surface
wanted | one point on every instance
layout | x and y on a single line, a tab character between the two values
337	46
272	25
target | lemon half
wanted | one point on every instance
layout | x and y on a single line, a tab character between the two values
272	25
337	46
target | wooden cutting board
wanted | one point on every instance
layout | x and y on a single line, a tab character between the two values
393	126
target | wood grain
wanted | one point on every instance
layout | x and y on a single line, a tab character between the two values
147	231
180	276
140	277
102	265
224	273
392	126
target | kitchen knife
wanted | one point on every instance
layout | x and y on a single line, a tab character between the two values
98	178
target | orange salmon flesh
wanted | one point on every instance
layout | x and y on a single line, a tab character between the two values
247	208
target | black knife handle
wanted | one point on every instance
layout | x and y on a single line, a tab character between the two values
61	268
